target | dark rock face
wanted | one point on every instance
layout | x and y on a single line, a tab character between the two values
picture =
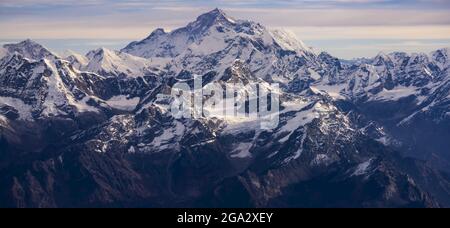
80	176
342	184
74	179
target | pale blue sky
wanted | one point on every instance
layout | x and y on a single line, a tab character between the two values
345	28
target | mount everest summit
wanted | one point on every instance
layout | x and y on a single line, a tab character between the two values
94	130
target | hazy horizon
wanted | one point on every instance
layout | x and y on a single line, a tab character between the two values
337	48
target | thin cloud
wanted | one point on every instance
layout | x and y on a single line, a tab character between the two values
371	32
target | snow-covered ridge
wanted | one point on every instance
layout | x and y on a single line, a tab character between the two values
112	62
288	41
43	88
78	61
30	49
37	84
390	77
441	57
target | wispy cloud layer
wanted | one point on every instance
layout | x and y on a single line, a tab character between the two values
245	3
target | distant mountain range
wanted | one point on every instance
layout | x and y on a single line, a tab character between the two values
93	131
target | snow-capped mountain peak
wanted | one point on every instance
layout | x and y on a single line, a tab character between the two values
207	20
214	41
30	49
114	63
216	14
